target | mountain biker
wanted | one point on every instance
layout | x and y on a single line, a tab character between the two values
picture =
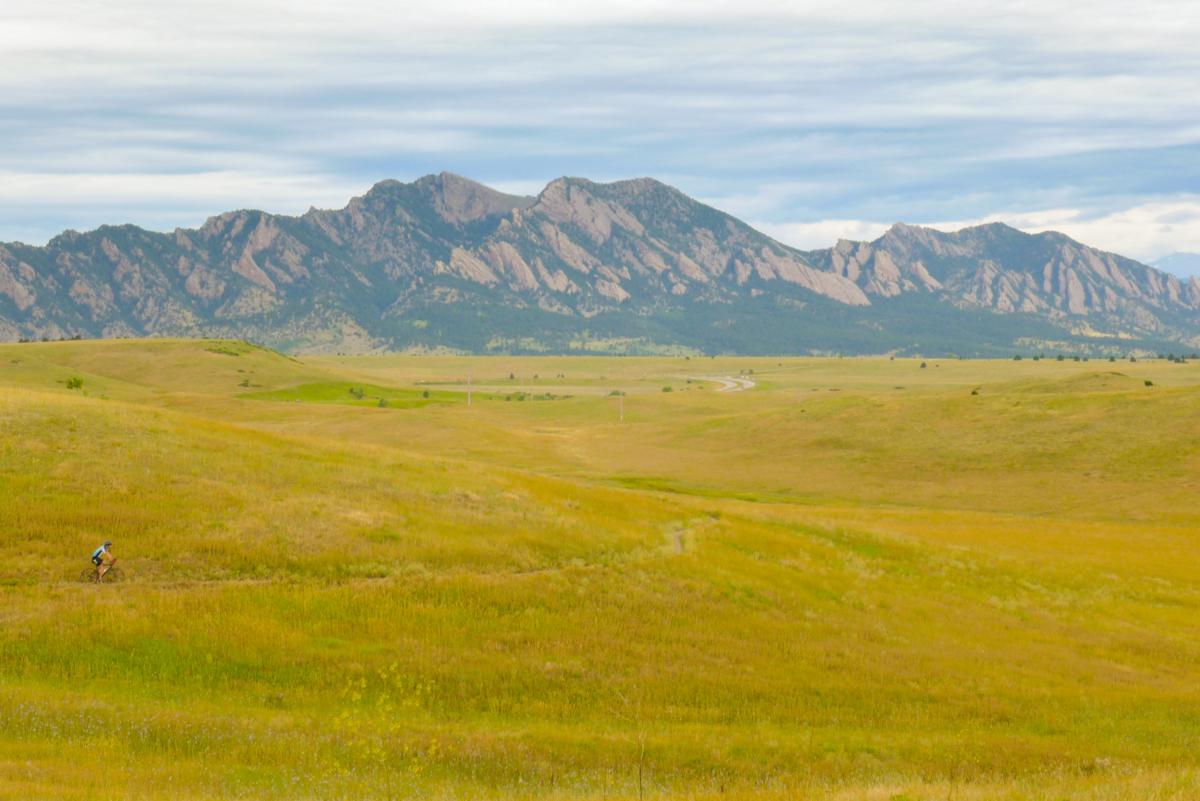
103	559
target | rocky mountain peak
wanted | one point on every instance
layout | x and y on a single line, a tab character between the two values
460	200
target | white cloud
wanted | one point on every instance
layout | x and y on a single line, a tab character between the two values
1146	232
156	201
822	233
272	192
841	113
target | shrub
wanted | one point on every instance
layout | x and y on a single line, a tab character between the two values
667	389
74	382
1149	383
425	394
382	403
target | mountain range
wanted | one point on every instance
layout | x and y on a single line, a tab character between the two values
445	263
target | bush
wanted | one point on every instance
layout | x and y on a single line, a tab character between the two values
425	394
923	365
383	404
667	389
1149	383
74	382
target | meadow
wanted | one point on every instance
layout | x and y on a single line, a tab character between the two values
445	577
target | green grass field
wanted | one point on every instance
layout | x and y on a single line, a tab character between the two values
860	579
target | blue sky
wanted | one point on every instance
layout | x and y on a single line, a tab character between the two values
809	121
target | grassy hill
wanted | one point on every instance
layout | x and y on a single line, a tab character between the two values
859	579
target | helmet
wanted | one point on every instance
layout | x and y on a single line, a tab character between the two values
107	543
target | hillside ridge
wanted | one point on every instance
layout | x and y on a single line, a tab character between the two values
627	266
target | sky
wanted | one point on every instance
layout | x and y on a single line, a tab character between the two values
812	121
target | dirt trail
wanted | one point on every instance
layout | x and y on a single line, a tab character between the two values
728	383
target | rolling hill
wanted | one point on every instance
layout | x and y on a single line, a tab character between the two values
860	579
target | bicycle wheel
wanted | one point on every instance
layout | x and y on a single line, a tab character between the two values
114	575
88	576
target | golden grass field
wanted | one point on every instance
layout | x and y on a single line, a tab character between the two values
861	579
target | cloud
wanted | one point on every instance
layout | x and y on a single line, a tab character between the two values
157	201
777	112
1146	232
822	233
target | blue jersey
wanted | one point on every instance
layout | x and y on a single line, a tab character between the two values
98	553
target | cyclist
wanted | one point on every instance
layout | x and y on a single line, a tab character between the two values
103	559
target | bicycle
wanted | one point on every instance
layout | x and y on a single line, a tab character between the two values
113	575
